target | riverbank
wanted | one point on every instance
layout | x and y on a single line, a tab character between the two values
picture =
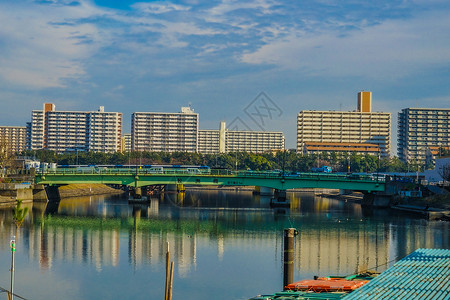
84	189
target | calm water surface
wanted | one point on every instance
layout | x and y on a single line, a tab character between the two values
225	245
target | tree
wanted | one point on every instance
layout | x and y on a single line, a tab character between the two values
6	156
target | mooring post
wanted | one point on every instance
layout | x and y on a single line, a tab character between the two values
288	269
166	294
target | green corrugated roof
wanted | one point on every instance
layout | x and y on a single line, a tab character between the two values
424	274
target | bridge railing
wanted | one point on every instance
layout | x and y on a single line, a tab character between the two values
214	172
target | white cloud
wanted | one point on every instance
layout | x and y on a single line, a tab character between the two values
393	48
159	7
228	6
40	46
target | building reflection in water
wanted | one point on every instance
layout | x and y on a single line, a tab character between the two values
334	238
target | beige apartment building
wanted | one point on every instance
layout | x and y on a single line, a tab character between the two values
13	139
165	132
224	140
63	131
344	129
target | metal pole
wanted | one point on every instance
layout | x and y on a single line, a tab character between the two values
13	250
288	270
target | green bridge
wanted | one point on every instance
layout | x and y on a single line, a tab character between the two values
140	177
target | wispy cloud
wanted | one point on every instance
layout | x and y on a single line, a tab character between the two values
392	48
42	44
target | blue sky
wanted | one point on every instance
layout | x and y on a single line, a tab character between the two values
219	56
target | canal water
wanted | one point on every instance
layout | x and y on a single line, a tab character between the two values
225	244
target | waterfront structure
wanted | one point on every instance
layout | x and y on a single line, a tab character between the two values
165	132
12	139
346	127
224	140
434	152
441	170
62	131
419	129
423	274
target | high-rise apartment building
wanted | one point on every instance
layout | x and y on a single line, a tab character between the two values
12	139
419	129
166	132
224	140
346	127
62	131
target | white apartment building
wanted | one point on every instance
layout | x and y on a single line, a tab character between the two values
165	132
208	141
62	131
346	127
224	140
419	129
13	138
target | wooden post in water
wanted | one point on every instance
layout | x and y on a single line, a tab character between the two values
170	282
288	268
166	294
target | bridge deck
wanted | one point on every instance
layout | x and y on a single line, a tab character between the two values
142	177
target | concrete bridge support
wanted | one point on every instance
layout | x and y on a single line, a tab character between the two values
39	193
345	192
52	193
174	188
280	195
263	191
376	200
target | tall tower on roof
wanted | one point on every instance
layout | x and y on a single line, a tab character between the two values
364	101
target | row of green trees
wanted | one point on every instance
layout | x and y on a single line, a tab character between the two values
289	160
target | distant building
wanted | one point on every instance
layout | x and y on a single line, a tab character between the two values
13	138
434	152
360	148
126	142
224	140
165	132
341	128
419	129
441	168
63	131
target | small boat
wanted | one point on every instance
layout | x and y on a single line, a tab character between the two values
326	284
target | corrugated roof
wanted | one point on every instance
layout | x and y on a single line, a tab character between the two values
424	274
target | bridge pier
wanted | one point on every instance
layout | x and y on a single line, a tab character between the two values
376	200
345	192
52	193
263	191
279	199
